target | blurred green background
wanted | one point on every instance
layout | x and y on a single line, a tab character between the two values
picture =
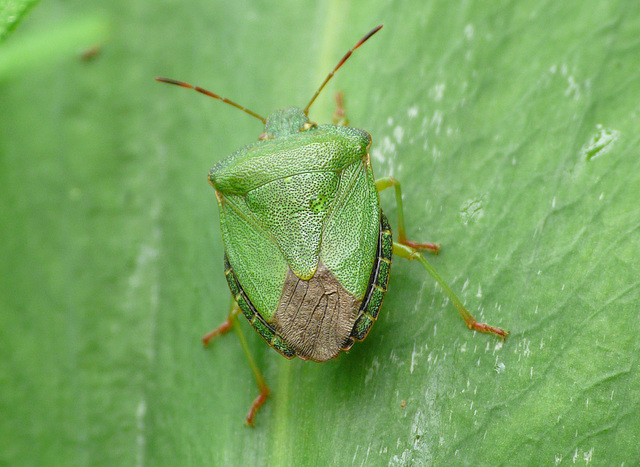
513	126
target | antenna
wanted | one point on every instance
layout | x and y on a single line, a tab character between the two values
211	94
340	63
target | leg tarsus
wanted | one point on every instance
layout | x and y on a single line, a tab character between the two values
430	247
222	329
257	403
487	328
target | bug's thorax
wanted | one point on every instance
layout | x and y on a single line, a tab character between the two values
284	122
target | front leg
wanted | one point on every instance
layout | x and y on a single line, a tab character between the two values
388	182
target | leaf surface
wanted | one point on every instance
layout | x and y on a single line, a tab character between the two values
514	129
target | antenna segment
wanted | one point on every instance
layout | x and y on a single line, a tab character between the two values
340	63
211	94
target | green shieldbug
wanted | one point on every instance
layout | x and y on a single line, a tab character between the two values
307	247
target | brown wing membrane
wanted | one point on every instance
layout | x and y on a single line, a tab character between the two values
316	317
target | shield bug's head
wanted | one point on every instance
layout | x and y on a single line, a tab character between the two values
282	122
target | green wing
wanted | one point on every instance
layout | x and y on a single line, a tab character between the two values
351	230
254	254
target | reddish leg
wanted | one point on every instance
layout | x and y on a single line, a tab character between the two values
431	247
257	403
412	254
222	329
409	250
232	322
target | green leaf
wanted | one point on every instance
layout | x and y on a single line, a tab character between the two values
53	44
513	127
11	13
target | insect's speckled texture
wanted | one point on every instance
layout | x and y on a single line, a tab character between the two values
279	236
